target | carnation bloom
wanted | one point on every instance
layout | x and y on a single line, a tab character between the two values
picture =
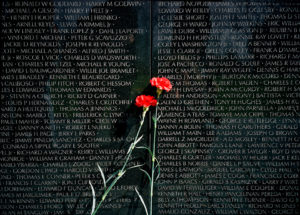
161	84
145	101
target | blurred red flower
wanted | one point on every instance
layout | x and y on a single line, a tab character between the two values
161	83
145	101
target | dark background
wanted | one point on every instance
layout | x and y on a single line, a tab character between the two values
228	138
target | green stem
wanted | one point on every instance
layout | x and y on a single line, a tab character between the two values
107	191
131	148
121	172
153	157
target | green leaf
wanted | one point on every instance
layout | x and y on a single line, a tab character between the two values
142	200
94	198
147	175
158	117
136	166
158	169
146	148
102	175
138	140
132	145
108	189
112	175
112	184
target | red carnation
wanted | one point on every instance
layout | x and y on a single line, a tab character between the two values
145	101
161	83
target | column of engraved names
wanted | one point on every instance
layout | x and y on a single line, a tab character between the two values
60	98
26	56
255	79
105	63
183	139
